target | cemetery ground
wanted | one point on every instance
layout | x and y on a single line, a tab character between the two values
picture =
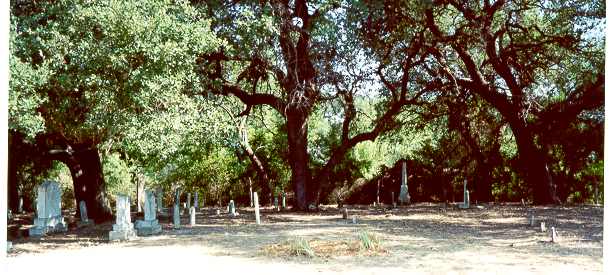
420	238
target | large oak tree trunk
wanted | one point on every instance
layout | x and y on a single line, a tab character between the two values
89	185
298	157
535	166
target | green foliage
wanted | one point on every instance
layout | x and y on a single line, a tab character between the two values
118	175
301	247
369	241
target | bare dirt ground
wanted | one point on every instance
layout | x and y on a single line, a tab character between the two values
422	238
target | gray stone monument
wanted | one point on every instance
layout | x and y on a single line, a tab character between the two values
150	225
196	200
345	213
404	195
176	210
553	235
276	203
231	208
542	226
192	216
256	208
465	204
283	205
187	201
48	210
20	209
123	228
84	219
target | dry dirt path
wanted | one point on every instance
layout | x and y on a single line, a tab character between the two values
419	239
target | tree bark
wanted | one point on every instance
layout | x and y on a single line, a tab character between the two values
89	184
299	157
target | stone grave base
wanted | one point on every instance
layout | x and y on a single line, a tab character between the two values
48	225
89	222
148	227
122	233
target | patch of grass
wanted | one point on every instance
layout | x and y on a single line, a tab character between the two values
301	247
369	241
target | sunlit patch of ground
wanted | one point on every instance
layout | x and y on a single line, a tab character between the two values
421	238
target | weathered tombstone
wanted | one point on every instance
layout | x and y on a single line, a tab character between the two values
84	219
48	210
20	209
531	219
283	204
465	204
159	199
123	228
217	211
150	225
176	210
276	203
231	208
196	203
354	220
543	226
192	216
187	201
345	213
404	195
553	235
256	208
9	246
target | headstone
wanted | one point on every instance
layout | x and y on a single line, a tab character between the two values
465	204
354	220
84	219
217	211
159	199
123	228
176	215
48	210
531	219
256	208
9	215
150	225
9	246
543	226
188	201
345	213
20	209
404	195
276	203
196	200
553	235
192	216
231	208
283	204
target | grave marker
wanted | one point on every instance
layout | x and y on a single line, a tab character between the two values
123	228
256	208
84	219
465	204
192	216
231	208
150	225
48	210
404	195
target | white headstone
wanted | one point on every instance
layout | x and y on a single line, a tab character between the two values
48	210
192	216
465	203
276	203
176	210
283	205
231	208
20	209
256	208
84	220
404	195
123	228
542	226
553	235
150	225
188	201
